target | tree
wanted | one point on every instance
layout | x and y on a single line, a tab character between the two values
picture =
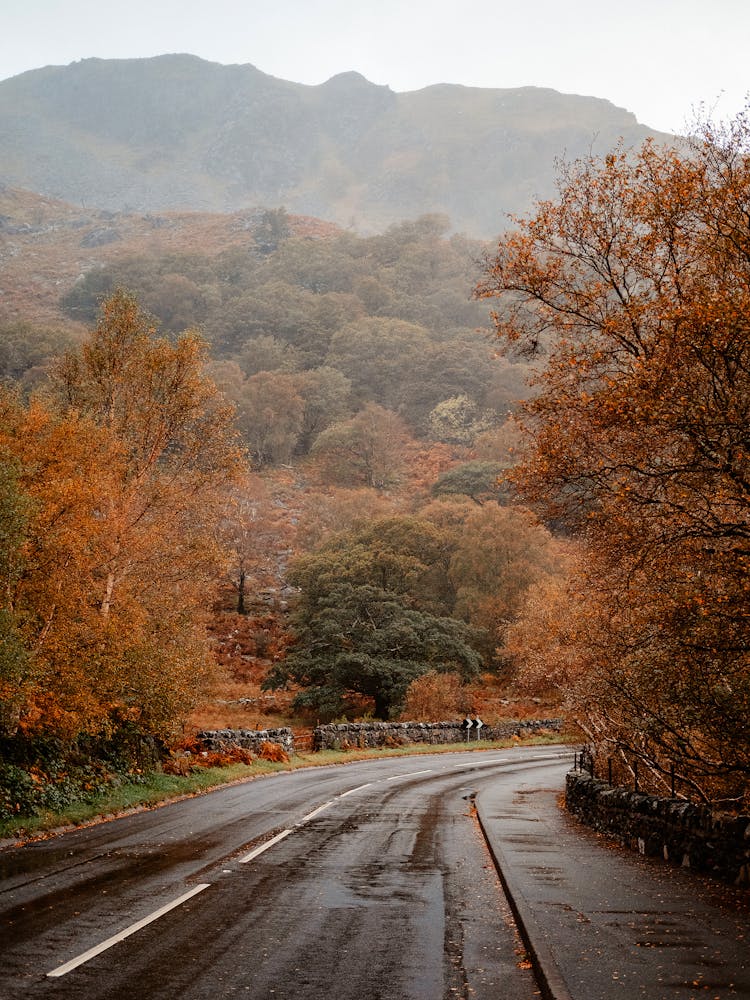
366	450
399	554
435	696
498	554
335	510
364	640
267	354
255	532
272	230
270	413
458	420
59	677
378	356
15	512
370	617
160	447
636	284
24	349
480	481
326	394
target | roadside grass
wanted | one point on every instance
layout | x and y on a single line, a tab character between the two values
155	789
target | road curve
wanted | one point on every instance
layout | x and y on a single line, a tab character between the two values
365	880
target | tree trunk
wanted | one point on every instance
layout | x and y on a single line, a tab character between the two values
241	609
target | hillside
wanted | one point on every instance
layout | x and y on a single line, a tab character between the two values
46	245
176	133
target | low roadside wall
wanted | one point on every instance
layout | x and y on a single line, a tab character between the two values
378	734
251	739
347	735
688	834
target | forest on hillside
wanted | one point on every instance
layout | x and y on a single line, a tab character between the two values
340	545
310	503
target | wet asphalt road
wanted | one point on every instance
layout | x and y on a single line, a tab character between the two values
605	923
380	886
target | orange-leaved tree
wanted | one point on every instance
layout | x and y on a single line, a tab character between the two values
55	470
634	285
151	449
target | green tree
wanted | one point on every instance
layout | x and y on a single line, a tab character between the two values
458	420
370	617
326	395
377	356
364	640
272	230
270	414
482	482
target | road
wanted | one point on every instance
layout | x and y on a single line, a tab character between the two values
370	880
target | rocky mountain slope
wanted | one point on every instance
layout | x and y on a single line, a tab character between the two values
178	133
46	245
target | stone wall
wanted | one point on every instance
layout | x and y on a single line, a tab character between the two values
378	734
688	834
375	734
217	739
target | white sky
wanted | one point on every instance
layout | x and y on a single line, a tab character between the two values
660	59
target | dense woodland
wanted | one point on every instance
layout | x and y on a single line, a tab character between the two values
203	514
324	499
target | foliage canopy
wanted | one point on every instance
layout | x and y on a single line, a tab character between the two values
635	287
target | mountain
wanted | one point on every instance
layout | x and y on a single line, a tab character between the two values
175	132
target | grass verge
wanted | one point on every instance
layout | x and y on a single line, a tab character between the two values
156	789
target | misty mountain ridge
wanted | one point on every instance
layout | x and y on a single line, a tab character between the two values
176	132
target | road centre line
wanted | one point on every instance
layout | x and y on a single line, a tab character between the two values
353	790
484	763
264	847
61	970
410	774
315	812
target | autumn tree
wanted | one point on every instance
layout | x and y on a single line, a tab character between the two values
325	513
15	512
57	674
367	450
498	554
166	452
256	534
634	285
270	414
436	697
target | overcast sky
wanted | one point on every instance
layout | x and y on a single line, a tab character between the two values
660	59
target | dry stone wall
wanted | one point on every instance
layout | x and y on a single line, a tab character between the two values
347	735
378	734
688	834
251	739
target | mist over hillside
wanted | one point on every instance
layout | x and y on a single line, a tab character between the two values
175	132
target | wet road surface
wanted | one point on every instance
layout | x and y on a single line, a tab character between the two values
605	922
366	880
